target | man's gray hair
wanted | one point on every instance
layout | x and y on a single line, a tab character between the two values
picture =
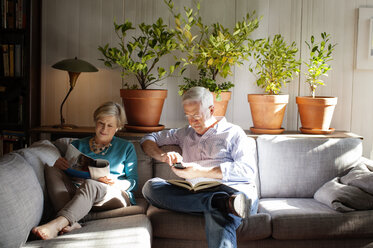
201	95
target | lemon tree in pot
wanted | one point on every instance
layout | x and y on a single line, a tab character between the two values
213	50
140	57
276	65
316	112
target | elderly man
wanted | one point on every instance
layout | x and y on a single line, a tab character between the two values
212	149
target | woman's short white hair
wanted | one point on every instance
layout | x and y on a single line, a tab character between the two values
201	95
111	109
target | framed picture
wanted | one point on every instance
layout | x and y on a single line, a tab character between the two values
364	48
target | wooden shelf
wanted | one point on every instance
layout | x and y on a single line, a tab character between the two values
80	132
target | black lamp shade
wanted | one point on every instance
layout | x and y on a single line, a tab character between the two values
75	65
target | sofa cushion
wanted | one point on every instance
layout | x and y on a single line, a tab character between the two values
140	208
306	218
298	167
21	201
144	167
123	232
38	155
174	225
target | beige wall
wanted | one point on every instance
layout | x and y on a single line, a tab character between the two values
76	28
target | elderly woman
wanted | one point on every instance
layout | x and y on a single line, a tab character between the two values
73	198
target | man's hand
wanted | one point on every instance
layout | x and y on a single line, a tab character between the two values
62	164
171	158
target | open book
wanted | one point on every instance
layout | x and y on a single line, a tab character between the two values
83	166
194	186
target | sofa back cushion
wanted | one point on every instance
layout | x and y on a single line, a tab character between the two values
297	167
39	154
144	167
21	201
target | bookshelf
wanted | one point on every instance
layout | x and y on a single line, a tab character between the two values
19	71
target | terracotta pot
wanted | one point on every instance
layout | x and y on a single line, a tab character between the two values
221	106
316	113
267	112
143	107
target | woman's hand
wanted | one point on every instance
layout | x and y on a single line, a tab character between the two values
62	164
106	180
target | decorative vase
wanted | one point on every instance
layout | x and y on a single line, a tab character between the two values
267	112
316	113
143	109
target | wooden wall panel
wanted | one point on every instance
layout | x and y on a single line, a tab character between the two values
77	27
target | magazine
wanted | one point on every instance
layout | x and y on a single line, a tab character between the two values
83	166
197	186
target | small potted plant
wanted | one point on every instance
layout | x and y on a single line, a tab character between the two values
140	57
213	50
316	112
276	65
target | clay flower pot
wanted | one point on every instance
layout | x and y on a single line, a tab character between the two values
316	113
143	109
221	106
267	112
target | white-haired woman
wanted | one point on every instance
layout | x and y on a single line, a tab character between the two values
74	197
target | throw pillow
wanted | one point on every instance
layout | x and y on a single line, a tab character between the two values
360	176
343	198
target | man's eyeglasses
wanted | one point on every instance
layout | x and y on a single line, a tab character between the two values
195	117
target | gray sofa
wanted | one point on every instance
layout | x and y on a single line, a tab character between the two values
290	172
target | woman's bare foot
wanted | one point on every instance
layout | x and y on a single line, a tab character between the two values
66	229
51	229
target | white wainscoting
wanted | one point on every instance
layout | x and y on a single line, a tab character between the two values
77	27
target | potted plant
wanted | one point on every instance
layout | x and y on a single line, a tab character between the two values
213	50
276	64
316	112
140	57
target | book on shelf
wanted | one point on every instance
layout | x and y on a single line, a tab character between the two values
5	49
17	60
11	60
196	184
13	14
83	166
10	15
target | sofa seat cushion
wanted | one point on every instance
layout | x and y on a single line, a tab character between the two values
21	200
298	167
133	231
174	225
140	208
306	218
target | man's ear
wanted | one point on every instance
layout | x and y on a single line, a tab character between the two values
212	110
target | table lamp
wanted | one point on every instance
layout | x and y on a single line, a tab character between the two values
74	67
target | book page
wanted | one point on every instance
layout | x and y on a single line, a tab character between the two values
78	162
198	186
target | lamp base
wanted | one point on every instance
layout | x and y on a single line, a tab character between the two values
65	126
